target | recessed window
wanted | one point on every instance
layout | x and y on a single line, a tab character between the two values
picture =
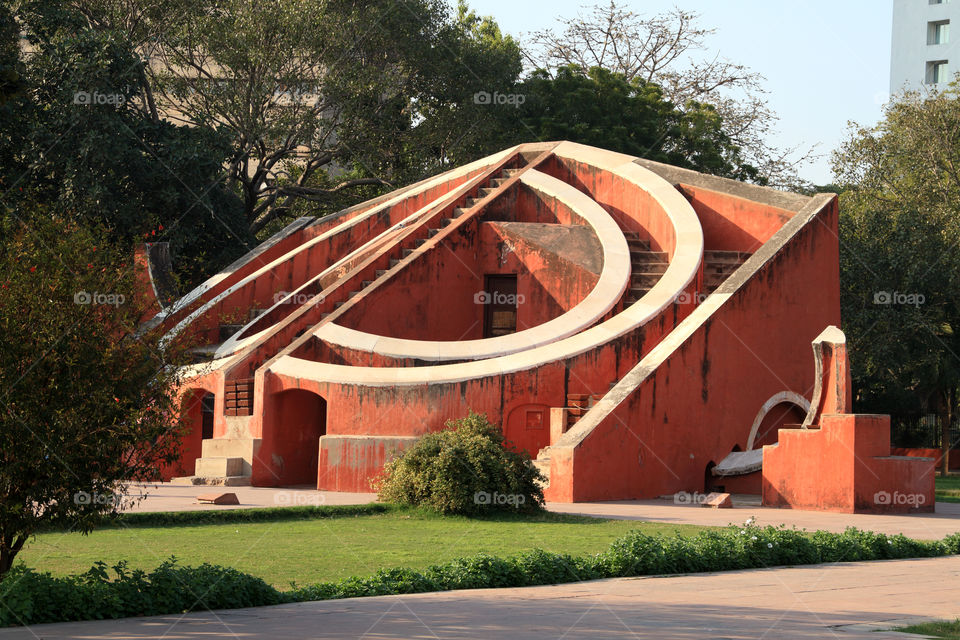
939	1
938	32
936	72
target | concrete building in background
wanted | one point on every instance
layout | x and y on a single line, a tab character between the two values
923	53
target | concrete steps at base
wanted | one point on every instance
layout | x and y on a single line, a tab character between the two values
543	466
216	466
221	481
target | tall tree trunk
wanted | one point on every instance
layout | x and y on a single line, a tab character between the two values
945	415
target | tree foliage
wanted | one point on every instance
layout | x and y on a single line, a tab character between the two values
666	49
603	109
900	231
85	402
76	138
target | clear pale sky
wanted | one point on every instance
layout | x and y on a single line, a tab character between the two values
826	62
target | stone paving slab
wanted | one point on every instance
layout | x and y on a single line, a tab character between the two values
844	601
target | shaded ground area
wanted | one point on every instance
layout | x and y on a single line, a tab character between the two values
822	601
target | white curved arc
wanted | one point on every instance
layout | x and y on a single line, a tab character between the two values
681	271
613	281
783	397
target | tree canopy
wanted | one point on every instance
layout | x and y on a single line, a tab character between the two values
900	183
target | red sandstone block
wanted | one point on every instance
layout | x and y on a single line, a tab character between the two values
718	501
218	498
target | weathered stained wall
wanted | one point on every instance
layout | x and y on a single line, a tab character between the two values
702	400
863	476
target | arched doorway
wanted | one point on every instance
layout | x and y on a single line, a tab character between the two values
196	419
294	445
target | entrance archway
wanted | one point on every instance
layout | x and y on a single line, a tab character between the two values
295	442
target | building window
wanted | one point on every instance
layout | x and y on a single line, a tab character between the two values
938	32
936	72
939	1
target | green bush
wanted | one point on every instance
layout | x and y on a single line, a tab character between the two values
32	598
465	469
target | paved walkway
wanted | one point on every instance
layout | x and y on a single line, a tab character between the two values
920	525
169	497
946	520
823	601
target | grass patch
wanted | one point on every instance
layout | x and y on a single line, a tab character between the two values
948	488
942	629
324	548
30	597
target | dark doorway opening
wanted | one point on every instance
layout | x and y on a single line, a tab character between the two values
207	404
500	312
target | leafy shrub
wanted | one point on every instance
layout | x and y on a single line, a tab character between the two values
465	469
31	598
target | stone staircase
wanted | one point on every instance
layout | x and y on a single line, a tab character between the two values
646	267
409	245
718	266
225	461
577	406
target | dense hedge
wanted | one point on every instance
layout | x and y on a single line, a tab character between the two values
637	554
31	597
231	516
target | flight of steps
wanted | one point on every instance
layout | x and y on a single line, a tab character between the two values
410	245
718	266
646	267
577	406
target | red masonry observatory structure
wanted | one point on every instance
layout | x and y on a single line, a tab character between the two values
639	329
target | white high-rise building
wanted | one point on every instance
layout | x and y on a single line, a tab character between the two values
923	53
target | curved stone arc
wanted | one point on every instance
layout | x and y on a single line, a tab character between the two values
782	397
444	177
687	255
613	282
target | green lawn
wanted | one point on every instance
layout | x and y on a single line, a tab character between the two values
948	488
936	629
307	551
